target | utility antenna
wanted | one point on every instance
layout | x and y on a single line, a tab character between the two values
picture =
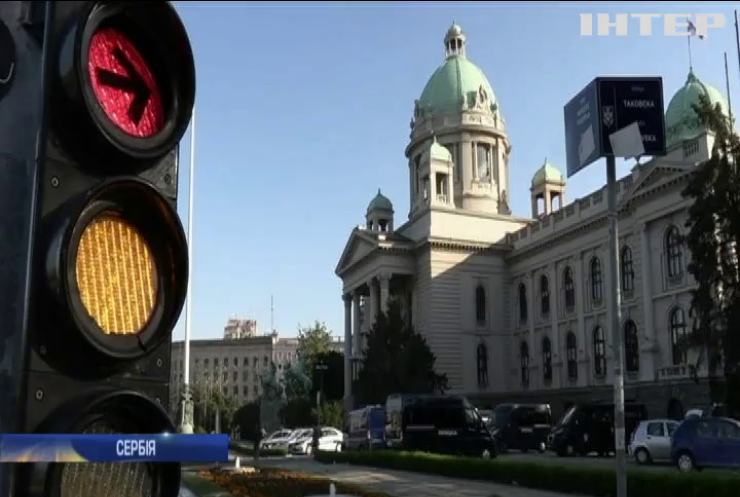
272	314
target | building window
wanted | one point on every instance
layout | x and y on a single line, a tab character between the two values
628	270
236	390
674	252
480	304
599	352
570	289
245	361
524	361
597	280
235	376
544	295
690	147
225	377
245	375
484	162
236	361
522	303
679	336
225	390
631	347
546	359
482	357
572	355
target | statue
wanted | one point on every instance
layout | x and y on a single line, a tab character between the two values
297	382
272	390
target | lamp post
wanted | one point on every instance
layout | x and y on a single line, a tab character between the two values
320	368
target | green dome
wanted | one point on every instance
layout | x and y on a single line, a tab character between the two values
547	174
436	152
681	121
380	203
455	84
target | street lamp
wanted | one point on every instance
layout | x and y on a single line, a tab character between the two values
320	367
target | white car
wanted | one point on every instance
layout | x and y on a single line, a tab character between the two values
331	439
277	439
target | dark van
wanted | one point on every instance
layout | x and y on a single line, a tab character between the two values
446	424
586	428
521	427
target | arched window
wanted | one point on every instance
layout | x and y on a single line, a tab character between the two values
524	362
572	355
674	252
544	295
570	288
628	270
679	336
480	304
546	359
599	352
597	289
631	347
482	358
522	303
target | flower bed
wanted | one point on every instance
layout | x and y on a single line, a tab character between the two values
279	483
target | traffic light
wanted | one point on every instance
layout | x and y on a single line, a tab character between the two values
93	204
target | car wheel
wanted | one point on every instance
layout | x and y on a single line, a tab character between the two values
309	449
685	462
338	448
642	456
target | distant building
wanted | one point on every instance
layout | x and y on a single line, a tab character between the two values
234	366
236	329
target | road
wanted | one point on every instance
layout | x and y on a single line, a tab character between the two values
405	484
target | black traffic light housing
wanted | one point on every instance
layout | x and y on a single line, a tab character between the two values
118	88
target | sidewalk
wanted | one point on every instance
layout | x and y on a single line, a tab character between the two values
406	484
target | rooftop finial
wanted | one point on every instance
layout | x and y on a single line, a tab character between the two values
379	192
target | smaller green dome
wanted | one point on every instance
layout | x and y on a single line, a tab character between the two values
681	121
436	152
547	173
380	203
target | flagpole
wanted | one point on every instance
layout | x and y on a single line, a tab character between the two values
186	425
729	100
737	40
691	66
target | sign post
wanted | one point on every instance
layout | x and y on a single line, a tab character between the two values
594	123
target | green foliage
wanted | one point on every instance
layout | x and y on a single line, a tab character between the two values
247	418
313	341
546	475
272	389
330	414
396	360
333	376
713	235
208	402
297	413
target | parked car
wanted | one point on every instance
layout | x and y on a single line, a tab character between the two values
651	440
331	439
275	439
700	443
366	428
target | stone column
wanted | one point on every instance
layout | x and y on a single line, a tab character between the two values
555	338
384	281
647	294
347	347
357	331
372	284
581	281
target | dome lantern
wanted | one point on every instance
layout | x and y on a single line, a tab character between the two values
454	41
379	215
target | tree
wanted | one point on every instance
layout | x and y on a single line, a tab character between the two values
713	234
396	360
313	341
298	413
333	376
247	419
330	414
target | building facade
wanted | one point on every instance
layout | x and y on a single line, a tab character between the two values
240	328
515	308
234	367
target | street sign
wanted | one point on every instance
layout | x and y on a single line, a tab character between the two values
623	101
607	105
582	132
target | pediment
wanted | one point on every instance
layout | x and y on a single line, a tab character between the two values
655	175
359	246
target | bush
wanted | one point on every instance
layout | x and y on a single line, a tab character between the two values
545	475
279	483
247	449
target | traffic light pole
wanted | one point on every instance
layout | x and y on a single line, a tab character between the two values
615	324
186	421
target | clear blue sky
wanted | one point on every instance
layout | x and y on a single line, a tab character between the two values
303	112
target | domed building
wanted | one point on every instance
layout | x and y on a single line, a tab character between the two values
514	308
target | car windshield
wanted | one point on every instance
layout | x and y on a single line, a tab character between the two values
279	434
567	416
500	416
302	433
